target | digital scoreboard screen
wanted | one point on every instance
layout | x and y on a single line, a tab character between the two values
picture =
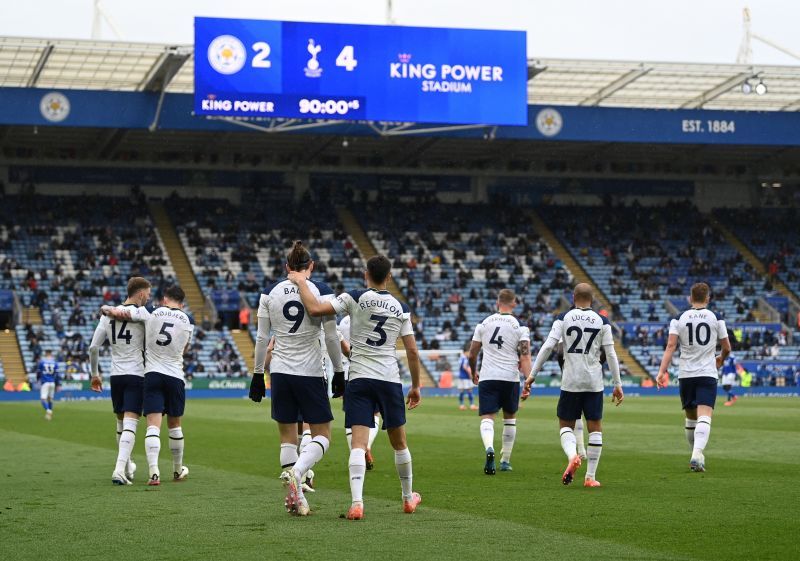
271	69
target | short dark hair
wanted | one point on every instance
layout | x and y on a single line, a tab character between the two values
700	292
379	268
507	297
175	293
299	258
135	284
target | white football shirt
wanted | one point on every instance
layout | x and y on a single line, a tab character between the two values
584	333
377	319
698	330
344	328
127	343
298	336
499	336
167	332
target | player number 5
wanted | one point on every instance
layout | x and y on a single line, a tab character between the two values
166	334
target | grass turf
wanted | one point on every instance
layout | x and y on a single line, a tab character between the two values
57	501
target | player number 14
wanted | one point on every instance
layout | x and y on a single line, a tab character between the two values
346	58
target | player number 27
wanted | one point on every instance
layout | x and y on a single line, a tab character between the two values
579	337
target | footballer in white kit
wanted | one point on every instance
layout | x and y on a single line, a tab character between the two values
378	320
506	345
297	372
698	331
344	332
586	335
168	332
127	340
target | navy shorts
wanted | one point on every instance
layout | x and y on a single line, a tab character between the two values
571	405
127	393
164	394
494	395
698	391
300	399
363	397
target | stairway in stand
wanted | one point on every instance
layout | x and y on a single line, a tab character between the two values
11	356
367	250
756	263
580	275
188	281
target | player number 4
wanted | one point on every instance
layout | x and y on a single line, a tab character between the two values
346	58
495	340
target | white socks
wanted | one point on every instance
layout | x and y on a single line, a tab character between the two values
568	442
402	461
306	438
509	434
487	433
288	455
701	434
311	454
690	428
126	436
579	436
176	447
358	468
593	453
348	434
373	432
152	446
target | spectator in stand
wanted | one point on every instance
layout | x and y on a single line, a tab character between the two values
244	317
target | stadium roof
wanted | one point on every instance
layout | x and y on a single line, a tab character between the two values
121	66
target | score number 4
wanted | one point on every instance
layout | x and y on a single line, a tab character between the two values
346	58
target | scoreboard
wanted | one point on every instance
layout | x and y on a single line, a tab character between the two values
270	69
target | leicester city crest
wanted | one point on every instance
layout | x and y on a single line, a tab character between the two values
54	107
226	54
549	122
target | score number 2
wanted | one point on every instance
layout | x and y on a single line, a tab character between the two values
346	58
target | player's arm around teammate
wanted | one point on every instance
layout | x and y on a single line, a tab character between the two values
378	320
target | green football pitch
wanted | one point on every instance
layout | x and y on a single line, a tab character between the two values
57	500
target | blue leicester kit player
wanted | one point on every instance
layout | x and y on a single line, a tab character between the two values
729	377
378	320
297	372
586	336
127	339
698	331
47	375
506	346
464	381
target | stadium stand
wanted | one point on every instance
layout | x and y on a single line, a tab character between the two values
450	261
63	256
639	256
